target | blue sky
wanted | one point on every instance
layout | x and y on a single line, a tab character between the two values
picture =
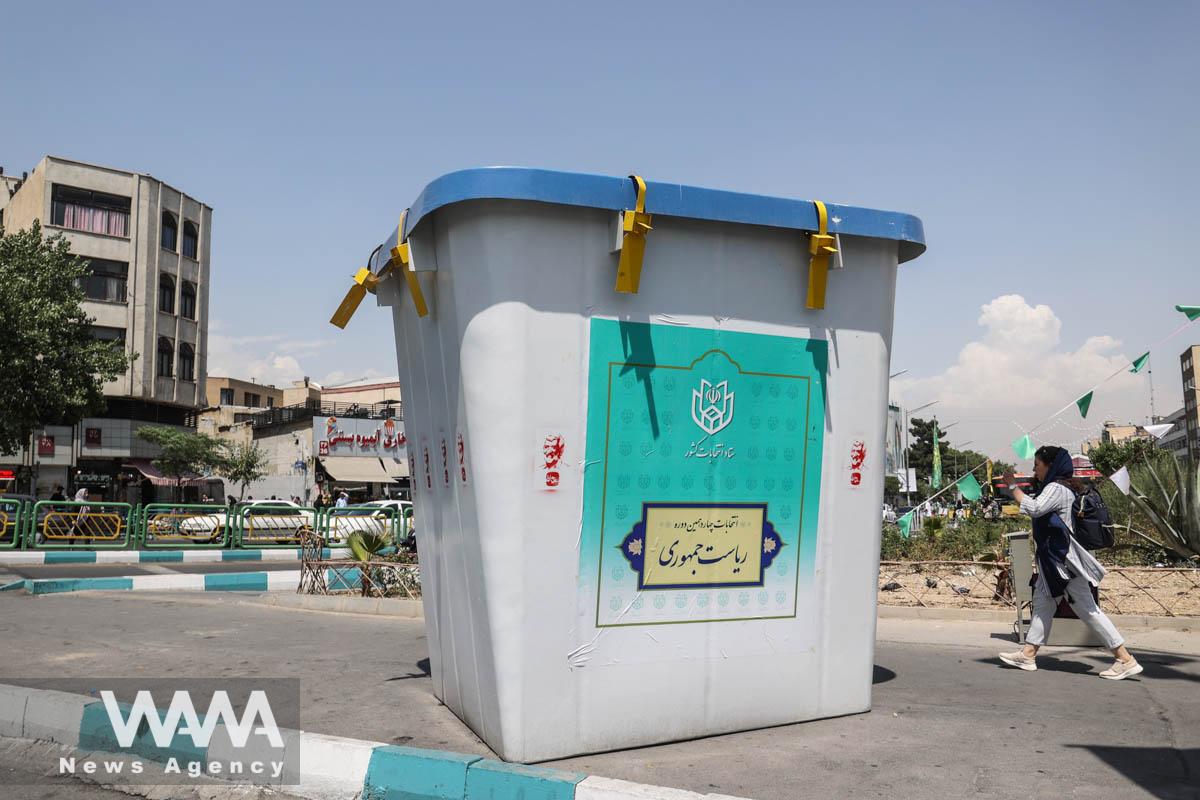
1048	147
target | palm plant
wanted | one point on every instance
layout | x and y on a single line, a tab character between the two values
365	546
1172	506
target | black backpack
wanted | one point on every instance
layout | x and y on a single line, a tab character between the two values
1093	523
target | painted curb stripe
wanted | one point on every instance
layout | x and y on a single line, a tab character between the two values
160	556
432	774
281	580
71	557
326	766
242	555
33	557
236	581
495	780
55	585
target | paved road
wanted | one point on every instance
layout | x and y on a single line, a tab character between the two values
15	572
948	721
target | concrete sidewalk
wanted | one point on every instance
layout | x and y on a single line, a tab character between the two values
948	720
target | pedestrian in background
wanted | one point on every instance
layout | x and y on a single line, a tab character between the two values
1064	567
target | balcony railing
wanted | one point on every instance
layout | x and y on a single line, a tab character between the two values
315	408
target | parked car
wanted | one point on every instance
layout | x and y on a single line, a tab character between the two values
277	521
375	516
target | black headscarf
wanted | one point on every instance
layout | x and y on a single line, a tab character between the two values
1050	533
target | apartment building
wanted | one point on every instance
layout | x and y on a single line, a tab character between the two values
148	248
1191	400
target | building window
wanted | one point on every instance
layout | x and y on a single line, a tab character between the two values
187	362
170	231
252	400
187	300
106	280
227	397
106	334
191	238
166	357
270	402
88	211
166	294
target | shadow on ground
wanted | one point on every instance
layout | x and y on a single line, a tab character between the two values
1167	773
422	665
1155	666
882	675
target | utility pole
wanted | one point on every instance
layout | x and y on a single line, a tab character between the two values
1150	377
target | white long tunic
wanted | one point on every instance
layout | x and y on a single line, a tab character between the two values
1057	499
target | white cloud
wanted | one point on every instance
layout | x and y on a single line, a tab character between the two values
268	359
1016	375
339	377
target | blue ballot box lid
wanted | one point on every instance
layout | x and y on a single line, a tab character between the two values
666	199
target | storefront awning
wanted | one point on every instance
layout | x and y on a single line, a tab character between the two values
353	469
397	469
147	468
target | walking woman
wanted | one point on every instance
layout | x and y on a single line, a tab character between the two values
1064	567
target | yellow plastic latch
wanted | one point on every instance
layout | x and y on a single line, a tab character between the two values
636	225
820	247
364	281
400	261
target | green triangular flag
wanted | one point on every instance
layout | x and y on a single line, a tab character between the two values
970	488
1084	403
935	480
1193	312
1140	362
905	523
1023	447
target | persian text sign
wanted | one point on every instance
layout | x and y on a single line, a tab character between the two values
353	436
704	473
687	545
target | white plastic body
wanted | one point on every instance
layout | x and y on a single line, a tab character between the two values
502	356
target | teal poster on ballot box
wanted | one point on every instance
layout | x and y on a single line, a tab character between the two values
703	473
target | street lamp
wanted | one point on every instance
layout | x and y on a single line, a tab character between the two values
907	483
964	444
897	374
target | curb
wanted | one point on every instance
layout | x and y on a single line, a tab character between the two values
34	557
345	604
332	767
1140	621
281	580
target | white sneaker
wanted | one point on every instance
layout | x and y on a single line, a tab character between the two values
1019	660
1120	670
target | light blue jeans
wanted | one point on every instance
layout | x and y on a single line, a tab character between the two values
1079	594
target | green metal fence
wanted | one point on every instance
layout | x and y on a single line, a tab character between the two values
70	525
184	526
339	523
265	526
14	515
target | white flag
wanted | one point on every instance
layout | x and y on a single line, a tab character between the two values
1159	431
1120	479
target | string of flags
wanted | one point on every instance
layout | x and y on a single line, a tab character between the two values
1025	448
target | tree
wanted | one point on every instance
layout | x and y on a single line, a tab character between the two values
185	453
955	462
920	452
52	372
1108	457
244	465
